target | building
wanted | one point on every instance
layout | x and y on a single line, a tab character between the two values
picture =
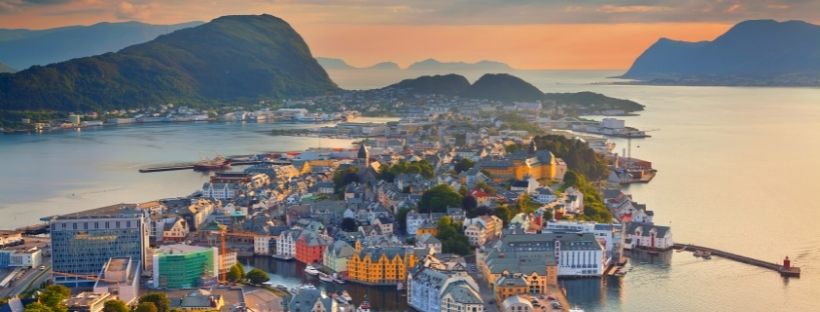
198	300
81	243
336	256
286	244
648	236
121	278
516	304
10	238
309	299
21	257
429	242
541	165
175	231
310	246
88	302
382	265
482	228
183	266
198	212
432	290
261	245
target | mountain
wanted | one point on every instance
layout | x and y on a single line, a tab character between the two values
384	66
22	48
432	64
333	63
503	87
508	88
755	52
6	69
232	58
450	84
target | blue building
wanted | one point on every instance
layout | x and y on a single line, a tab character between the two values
81	243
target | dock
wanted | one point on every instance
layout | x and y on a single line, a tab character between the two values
785	269
238	160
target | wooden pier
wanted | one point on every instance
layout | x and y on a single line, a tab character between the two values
785	270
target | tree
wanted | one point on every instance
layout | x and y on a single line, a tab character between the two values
470	204
115	306
463	165
53	297
236	273
257	276
452	237
146	307
401	218
348	225
344	176
503	212
37	307
160	301
438	198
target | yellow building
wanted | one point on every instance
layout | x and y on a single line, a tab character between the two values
542	165
427	228
382	266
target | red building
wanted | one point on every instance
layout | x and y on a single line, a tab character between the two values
310	246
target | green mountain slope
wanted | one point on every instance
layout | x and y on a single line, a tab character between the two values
232	58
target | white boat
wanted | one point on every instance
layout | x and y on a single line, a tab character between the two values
325	278
399	286
311	270
337	279
346	296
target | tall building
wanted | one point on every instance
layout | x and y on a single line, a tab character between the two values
183	266
432	290
382	265
81	243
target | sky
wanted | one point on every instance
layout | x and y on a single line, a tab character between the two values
527	34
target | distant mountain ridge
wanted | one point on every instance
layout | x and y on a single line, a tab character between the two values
6	69
425	65
755	52
509	88
231	58
22	48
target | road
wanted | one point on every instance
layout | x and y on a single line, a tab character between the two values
32	278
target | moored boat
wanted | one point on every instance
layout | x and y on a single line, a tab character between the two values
311	270
325	278
217	163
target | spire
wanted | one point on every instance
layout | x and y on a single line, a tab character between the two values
363	153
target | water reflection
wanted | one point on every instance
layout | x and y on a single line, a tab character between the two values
291	274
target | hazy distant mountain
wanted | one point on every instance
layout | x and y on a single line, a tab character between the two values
432	64
232	58
508	88
450	84
757	52
384	66
21	48
333	63
6	69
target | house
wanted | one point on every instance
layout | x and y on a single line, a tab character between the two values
429	242
384	223
518	303
543	195
261	245
648	236
198	300
310	246
309	299
175	230
325	188
382	265
432	290
286	244
336	256
482	228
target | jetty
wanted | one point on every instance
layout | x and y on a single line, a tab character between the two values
785	269
237	160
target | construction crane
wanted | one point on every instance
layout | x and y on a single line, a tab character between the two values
223	253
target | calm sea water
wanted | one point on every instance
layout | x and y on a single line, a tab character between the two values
737	170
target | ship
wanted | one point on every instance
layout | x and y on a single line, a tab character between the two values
311	270
217	163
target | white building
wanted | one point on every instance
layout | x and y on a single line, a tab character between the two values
516	304
21	257
433	290
648	236
480	229
286	244
261	245
120	277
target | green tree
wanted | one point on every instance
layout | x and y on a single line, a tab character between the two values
146	307
37	307
53	297
257	276
470	206
464	164
115	306
344	176
236	273
401	218
348	225
160	301
503	212
452	237
438	198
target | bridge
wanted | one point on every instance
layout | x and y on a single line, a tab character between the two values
785	269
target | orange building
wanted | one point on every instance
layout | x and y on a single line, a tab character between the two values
542	165
310	246
382	266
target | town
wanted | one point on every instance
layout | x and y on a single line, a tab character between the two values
468	205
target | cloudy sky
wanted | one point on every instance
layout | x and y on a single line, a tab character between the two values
556	34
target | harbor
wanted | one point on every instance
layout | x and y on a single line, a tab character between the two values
785	269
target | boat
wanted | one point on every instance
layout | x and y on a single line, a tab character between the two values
217	163
698	253
325	278
311	270
707	255
336	278
364	306
399	286
576	309
346	296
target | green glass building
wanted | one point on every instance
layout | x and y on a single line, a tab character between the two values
183	266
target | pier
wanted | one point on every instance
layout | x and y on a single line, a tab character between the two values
785	270
238	160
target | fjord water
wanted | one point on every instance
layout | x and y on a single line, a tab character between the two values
738	170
